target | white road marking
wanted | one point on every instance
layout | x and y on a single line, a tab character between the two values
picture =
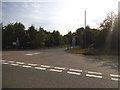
73	73
115	79
26	66
113	75
14	64
32	64
102	62
2	60
5	63
75	70
89	75
29	54
33	54
11	61
40	68
20	63
54	70
36	53
93	72
59	68
45	66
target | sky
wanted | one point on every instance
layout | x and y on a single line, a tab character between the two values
61	15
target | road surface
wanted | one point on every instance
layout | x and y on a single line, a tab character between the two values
55	68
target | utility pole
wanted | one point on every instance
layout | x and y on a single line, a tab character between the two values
85	30
85	18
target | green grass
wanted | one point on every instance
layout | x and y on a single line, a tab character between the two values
82	51
92	51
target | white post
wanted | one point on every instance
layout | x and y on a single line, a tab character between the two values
85	18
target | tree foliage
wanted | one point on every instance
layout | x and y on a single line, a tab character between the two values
85	37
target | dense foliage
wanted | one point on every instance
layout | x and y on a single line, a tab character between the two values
104	37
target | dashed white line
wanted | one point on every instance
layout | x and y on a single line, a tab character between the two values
54	70
93	72
36	53
40	68
115	79
29	54
75	73
2	60
75	70
45	66
59	68
32	64
20	63
11	61
113	75
26	66
32	54
5	63
89	75
14	64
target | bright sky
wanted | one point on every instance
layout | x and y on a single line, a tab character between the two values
61	15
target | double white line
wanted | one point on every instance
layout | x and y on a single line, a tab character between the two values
57	69
74	71
40	68
115	77
94	74
31	64
45	66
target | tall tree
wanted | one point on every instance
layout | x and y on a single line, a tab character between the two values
32	32
49	40
109	32
8	35
40	38
20	33
57	38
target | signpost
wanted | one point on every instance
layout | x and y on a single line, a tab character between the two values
17	42
73	41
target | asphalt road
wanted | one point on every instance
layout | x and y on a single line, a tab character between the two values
58	69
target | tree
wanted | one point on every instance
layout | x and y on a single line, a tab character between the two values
40	38
109	32
32	32
68	38
79	33
11	33
57	38
49	40
20	33
8	35
86	37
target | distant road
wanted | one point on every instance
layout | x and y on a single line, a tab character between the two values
55	68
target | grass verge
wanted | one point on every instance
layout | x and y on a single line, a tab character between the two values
92	51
